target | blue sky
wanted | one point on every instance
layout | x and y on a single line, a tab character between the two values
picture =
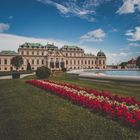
110	25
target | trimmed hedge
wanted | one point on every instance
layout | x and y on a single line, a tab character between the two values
43	72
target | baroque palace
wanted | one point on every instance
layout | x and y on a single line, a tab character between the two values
69	57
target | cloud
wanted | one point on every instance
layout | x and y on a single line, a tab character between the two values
4	27
134	34
134	44
93	36
129	6
12	42
82	9
118	57
10	17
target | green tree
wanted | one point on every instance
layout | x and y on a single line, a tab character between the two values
138	62
17	62
123	64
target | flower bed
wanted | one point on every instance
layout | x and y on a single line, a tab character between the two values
126	110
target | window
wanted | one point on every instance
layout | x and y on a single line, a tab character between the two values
42	62
57	64
74	62
42	53
85	62
67	62
27	53
78	62
62	64
37	62
0	61
66	54
5	61
37	53
71	62
51	64
99	61
95	61
32	62
32	53
5	68
22	52
89	62
82	62
92	62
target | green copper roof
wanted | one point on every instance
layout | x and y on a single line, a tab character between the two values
73	46
8	53
51	46
32	44
101	53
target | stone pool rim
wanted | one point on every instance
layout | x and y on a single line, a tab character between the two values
82	75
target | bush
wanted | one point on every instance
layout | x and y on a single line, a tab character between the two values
15	75
43	72
64	69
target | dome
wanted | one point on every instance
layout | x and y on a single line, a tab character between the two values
100	53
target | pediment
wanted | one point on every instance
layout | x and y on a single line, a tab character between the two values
55	54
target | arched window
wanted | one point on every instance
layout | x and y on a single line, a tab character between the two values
42	62
62	64
51	64
99	61
32	61
67	62
5	61
85	62
57	64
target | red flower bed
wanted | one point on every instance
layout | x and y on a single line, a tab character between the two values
123	109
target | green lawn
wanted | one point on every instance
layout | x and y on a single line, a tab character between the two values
29	113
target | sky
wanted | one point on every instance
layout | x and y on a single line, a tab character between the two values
112	26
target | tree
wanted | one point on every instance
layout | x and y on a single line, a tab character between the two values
43	72
138	62
123	64
29	67
17	62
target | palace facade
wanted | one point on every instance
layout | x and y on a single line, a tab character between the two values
69	57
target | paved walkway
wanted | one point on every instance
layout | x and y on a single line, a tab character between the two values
10	76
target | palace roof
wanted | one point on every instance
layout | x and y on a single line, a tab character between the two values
8	53
27	44
101	53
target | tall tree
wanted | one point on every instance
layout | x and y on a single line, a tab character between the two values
138	62
17	62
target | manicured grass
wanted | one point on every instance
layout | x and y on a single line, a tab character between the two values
29	113
6	73
115	88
